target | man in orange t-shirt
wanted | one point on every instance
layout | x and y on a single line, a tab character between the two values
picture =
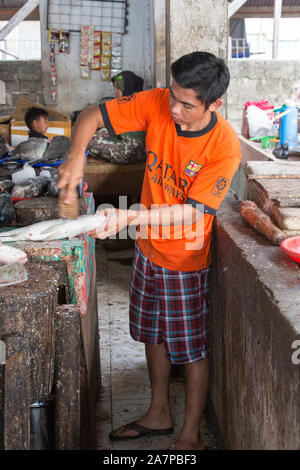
192	155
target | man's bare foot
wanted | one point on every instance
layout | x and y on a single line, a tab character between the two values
185	443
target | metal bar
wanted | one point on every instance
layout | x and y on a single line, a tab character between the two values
277	16
21	14
235	6
168	43
9	53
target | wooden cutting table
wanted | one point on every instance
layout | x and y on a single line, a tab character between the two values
111	179
49	325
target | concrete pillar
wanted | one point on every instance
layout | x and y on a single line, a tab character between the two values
198	25
183	26
2	92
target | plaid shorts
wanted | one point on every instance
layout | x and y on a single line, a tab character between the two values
170	307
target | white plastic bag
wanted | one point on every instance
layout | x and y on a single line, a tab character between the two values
26	173
259	121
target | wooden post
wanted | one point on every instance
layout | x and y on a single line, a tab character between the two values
277	15
16	401
67	378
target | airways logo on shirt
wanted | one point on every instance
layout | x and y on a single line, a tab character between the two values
193	168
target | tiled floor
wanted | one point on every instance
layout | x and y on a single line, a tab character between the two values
126	388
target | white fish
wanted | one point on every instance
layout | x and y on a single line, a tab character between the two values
55	229
9	254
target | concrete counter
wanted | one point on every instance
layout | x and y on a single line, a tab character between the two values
254	400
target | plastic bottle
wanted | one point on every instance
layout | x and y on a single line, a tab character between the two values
289	124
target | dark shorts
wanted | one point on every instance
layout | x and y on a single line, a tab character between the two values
170	307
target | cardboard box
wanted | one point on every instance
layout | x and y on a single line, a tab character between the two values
5	126
19	130
23	104
59	123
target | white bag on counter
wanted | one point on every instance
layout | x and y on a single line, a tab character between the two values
26	173
259	122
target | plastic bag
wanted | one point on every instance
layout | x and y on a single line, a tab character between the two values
259	122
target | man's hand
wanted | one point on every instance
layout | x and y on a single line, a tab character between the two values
117	220
69	174
72	170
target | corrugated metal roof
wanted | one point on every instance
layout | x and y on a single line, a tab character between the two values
8	8
12	3
269	3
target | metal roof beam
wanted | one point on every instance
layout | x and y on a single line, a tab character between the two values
235	6
277	15
21	14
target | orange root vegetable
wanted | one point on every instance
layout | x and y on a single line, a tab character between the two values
261	222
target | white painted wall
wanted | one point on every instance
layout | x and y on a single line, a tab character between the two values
74	93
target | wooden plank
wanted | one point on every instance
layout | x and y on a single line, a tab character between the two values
26	9
287	218
109	178
286	194
16	401
277	15
67	378
259	169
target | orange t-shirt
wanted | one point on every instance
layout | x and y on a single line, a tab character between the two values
183	167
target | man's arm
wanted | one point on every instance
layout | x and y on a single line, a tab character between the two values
71	171
177	214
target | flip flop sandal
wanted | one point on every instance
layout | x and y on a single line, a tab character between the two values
142	430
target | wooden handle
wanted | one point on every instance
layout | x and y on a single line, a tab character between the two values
68	211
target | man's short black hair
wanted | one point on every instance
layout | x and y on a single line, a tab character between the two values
33	114
205	73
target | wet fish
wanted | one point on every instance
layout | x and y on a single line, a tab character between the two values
33	187
55	229
9	254
58	148
32	149
3	146
6	185
7	211
53	190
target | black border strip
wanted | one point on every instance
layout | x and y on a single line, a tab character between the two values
203	131
106	120
207	209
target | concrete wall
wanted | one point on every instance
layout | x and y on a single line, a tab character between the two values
20	78
137	55
271	80
254	399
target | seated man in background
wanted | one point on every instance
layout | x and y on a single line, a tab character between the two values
125	148
37	121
